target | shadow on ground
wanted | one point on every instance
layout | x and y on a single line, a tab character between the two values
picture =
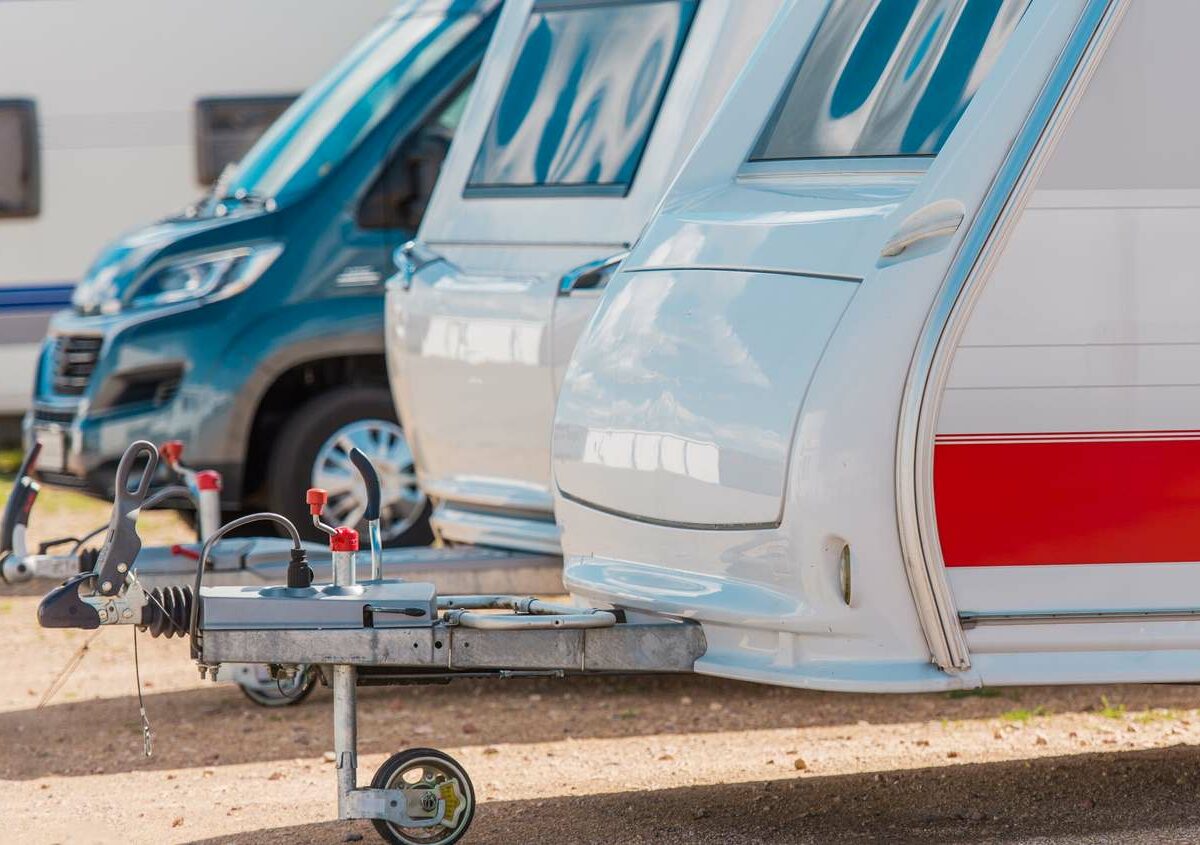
1146	796
45	742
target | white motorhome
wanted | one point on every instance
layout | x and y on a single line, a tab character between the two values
582	114
899	390
115	112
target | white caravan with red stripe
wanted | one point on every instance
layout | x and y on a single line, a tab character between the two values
900	390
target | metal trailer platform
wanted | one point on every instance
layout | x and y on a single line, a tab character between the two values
383	633
360	631
259	561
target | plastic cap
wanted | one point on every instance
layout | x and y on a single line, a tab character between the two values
208	479
343	540
171	451
316	498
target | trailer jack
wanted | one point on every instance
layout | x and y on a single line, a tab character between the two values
370	632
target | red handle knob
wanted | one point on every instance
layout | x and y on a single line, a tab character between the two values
208	479
171	451
344	540
316	498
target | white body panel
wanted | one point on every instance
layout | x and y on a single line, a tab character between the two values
115	84
1078	364
479	343
1046	287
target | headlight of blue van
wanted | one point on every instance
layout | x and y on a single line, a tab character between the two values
214	275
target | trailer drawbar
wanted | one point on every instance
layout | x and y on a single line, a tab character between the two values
370	632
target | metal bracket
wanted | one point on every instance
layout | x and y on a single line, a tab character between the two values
419	808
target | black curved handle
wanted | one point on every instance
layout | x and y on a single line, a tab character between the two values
370	478
122	543
127	499
20	500
29	462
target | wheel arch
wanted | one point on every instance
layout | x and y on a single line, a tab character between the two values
288	378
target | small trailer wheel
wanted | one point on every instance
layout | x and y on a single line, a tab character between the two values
284	693
427	769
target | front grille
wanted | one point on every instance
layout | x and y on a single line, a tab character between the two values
48	416
166	391
75	359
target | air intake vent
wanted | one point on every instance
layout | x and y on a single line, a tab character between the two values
74	361
166	391
47	415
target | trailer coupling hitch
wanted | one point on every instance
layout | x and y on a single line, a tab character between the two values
109	593
65	557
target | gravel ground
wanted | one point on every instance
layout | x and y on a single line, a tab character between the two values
662	759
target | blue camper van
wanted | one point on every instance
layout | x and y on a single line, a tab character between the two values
250	326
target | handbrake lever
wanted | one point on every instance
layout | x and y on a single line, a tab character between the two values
370	479
20	502
122	543
65	606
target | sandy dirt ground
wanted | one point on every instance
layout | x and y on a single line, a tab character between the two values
660	759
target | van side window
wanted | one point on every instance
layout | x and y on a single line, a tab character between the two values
20	189
227	127
398	197
887	78
581	100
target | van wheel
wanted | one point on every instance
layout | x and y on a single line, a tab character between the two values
312	450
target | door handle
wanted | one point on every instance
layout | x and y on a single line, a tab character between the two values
937	220
591	276
410	259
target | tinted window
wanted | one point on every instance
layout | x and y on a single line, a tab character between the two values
581	99
888	78
400	194
19	192
226	127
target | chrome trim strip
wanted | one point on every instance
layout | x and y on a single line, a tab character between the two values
934	352
974	620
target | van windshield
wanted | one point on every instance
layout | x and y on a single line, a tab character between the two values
321	128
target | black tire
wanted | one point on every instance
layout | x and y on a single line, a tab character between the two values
388	775
303	435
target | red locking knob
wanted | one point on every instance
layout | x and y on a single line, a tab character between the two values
208	479
171	451
316	498
343	540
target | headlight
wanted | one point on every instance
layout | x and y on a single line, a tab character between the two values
215	275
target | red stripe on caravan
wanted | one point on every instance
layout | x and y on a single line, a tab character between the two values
1022	502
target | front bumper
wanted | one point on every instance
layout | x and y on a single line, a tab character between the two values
100	386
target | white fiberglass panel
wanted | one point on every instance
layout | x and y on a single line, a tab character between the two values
469	354
684	400
1075	389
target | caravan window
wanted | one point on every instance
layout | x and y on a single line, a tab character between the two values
887	78
226	127
581	100
19	176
